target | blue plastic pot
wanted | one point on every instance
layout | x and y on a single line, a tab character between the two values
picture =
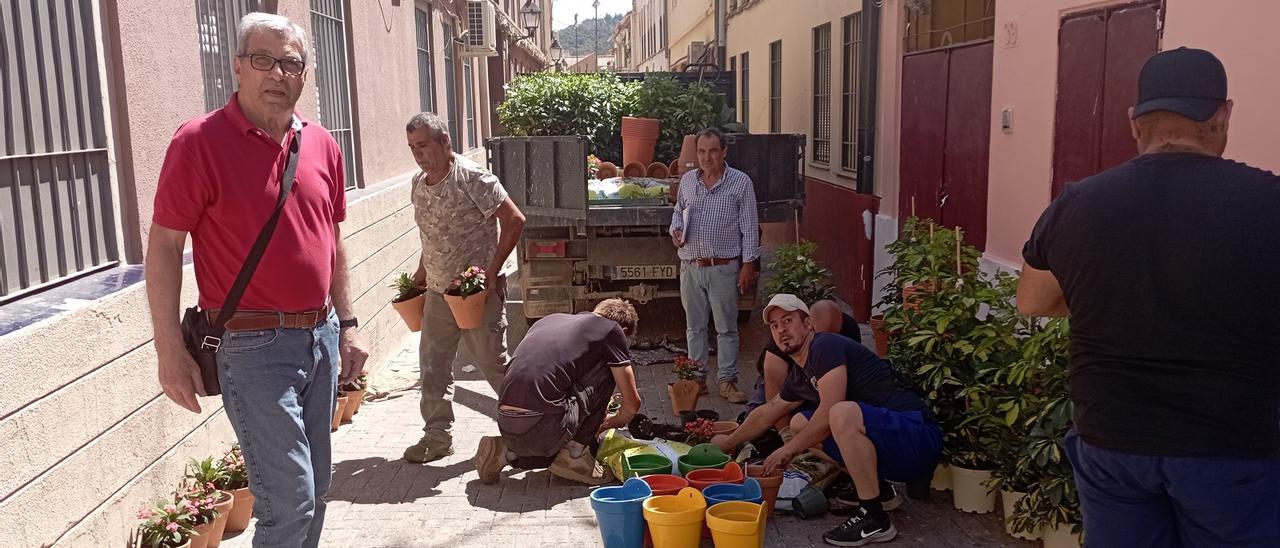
620	513
747	491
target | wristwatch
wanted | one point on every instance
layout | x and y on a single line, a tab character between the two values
344	324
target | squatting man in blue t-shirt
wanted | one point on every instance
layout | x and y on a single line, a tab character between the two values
865	419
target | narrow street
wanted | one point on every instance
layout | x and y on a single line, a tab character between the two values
378	499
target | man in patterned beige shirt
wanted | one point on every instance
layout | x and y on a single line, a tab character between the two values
464	218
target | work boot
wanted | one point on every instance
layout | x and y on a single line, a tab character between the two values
702	387
429	449
729	391
582	469
490	459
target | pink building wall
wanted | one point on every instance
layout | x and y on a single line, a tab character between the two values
1025	80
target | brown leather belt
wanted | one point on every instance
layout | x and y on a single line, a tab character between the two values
257	320
713	262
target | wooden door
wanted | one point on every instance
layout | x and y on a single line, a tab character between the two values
1100	53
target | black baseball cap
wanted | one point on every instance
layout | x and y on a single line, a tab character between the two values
1186	81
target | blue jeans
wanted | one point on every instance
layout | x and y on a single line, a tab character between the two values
711	292
1137	501
279	389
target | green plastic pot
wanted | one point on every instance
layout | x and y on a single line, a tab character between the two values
646	464
702	456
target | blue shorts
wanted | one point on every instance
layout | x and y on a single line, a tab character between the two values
1141	500
908	447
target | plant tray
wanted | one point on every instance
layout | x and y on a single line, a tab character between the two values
662	200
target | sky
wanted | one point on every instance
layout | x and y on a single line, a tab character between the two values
562	10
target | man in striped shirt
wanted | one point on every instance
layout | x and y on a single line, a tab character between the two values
716	229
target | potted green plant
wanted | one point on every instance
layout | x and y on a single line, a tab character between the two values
199	503
238	484
684	392
467	312
165	525
409	301
794	270
211	474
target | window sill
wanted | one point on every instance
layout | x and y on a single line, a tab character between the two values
819	165
846	174
74	293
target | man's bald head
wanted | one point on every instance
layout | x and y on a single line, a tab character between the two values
826	316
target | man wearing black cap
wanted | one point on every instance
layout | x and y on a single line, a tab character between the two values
1165	265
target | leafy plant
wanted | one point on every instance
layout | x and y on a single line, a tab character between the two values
210	472
405	288
699	431
237	472
688	369
683	110
795	271
166	525
198	501
565	103
361	383
470	282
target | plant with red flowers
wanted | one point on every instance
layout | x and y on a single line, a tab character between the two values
689	369
699	431
470	282
167	525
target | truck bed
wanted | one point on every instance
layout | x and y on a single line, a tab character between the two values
622	215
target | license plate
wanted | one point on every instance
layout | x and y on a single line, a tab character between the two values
645	272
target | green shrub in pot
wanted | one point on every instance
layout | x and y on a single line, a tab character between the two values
794	270
565	103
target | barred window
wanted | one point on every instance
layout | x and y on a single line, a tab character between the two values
216	22
849	91
450	92
426	68
333	78
822	94
746	90
468	74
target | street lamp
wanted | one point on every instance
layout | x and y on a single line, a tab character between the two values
531	15
556	51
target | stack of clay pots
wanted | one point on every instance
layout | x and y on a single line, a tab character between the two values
639	137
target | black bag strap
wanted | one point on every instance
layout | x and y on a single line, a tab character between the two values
260	245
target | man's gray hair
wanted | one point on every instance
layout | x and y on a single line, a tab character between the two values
429	120
258	21
713	132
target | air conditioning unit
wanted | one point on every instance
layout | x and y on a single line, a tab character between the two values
482	32
696	51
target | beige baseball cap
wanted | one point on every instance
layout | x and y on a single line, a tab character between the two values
785	301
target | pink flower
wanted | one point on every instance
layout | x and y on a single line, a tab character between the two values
145	514
170	509
171	526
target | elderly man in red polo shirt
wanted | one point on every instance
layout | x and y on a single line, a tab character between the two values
278	358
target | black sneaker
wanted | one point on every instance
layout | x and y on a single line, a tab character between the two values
845	499
861	529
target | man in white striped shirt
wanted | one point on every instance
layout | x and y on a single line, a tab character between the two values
716	228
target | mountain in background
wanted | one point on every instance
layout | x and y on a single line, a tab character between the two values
578	40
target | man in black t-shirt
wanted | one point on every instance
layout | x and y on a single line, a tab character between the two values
556	393
771	366
864	418
1166	268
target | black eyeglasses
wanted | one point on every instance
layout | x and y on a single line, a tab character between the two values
267	63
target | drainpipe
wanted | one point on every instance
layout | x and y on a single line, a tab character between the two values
867	87
721	33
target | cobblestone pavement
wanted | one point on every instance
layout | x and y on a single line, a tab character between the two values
380	500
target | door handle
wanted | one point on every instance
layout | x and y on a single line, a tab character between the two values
942	202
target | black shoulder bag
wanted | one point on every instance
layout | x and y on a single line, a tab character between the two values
202	339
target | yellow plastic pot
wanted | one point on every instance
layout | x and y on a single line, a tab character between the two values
675	521
737	524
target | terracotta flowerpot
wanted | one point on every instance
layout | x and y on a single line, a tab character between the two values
337	412
970	495
355	398
606	170
241	510
200	535
910	294
724	427
684	395
223	506
637	150
410	311
941	478
688	153
673	191
1060	537
633	169
881	335
644	128
468	312
1007	500
658	170
673	169
769	483
353	401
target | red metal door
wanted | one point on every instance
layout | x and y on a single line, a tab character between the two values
946	138
1099	56
968	142
924	115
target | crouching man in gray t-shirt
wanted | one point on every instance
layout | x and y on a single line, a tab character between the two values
555	395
